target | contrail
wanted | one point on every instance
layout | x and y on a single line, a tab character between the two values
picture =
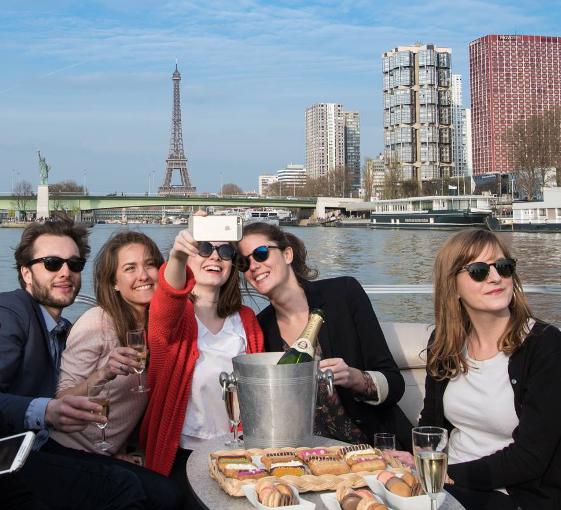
50	73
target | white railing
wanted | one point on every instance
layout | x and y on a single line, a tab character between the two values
553	289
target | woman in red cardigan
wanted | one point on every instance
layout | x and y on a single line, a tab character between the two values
197	325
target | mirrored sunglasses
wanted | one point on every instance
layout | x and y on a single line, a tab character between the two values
225	251
53	263
479	271
260	254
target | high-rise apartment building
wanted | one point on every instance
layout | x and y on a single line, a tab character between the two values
417	111
352	148
460	130
512	78
332	141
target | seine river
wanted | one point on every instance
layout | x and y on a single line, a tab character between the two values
374	257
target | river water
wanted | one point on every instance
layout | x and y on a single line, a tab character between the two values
374	257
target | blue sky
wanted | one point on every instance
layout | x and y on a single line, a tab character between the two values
89	83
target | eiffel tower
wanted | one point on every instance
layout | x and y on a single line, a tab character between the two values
176	158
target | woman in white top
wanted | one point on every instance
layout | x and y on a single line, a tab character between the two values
493	379
197	325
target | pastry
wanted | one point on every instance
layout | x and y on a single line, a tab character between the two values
240	468
384	476
350	501
272	458
233	459
398	486
304	454
291	467
362	457
275	494
327	464
409	478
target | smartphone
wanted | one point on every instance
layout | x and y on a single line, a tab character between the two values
215	228
14	451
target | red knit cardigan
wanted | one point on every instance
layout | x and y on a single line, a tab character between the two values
172	340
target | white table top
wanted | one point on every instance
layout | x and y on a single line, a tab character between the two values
213	497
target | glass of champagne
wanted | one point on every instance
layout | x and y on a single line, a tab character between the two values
384	441
233	409
99	393
137	340
431	459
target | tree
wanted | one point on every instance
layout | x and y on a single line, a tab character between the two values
368	181
231	189
69	186
392	182
534	146
23	193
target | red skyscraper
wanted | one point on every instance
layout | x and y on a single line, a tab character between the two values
512	77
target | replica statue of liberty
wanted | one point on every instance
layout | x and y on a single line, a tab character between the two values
43	169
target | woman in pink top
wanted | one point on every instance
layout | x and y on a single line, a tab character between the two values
125	278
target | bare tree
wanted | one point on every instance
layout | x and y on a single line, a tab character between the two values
534	148
69	186
231	189
392	182
368	181
23	193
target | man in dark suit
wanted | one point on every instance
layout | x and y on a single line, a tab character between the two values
49	260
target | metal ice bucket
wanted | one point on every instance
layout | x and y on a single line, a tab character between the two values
277	402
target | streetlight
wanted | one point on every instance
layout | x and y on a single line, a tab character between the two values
84	183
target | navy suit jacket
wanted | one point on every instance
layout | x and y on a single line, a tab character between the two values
27	369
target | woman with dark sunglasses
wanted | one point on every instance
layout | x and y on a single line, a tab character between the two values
493	380
197	325
368	381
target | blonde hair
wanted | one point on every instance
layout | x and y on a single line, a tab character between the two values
445	357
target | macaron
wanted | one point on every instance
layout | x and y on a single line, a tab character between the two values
399	487
384	476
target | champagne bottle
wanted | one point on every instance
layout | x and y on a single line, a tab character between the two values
303	350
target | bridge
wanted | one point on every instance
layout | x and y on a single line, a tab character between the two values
75	202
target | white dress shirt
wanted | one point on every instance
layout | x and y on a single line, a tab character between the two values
206	415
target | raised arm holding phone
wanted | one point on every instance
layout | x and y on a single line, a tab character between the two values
197	325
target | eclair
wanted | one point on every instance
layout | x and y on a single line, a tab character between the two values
362	457
327	465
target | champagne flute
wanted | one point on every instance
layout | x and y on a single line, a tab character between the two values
384	441
431	459
137	340
233	410
100	394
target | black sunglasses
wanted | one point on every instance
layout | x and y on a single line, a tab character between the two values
225	251
53	263
260	254
479	271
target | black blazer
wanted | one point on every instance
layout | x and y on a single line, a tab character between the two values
27	369
530	467
352	332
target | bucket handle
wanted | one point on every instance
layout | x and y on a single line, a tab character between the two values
226	380
327	377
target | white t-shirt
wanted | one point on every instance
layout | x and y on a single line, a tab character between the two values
480	406
206	415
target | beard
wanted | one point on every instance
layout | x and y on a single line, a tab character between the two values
42	294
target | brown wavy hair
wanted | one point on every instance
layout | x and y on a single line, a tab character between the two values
445	358
284	240
105	271
61	226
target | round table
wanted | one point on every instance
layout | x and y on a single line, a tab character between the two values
212	497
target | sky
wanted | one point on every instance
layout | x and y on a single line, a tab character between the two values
89	83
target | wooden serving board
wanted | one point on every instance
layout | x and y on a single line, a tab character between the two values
304	483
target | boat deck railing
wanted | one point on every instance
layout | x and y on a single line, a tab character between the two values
371	290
